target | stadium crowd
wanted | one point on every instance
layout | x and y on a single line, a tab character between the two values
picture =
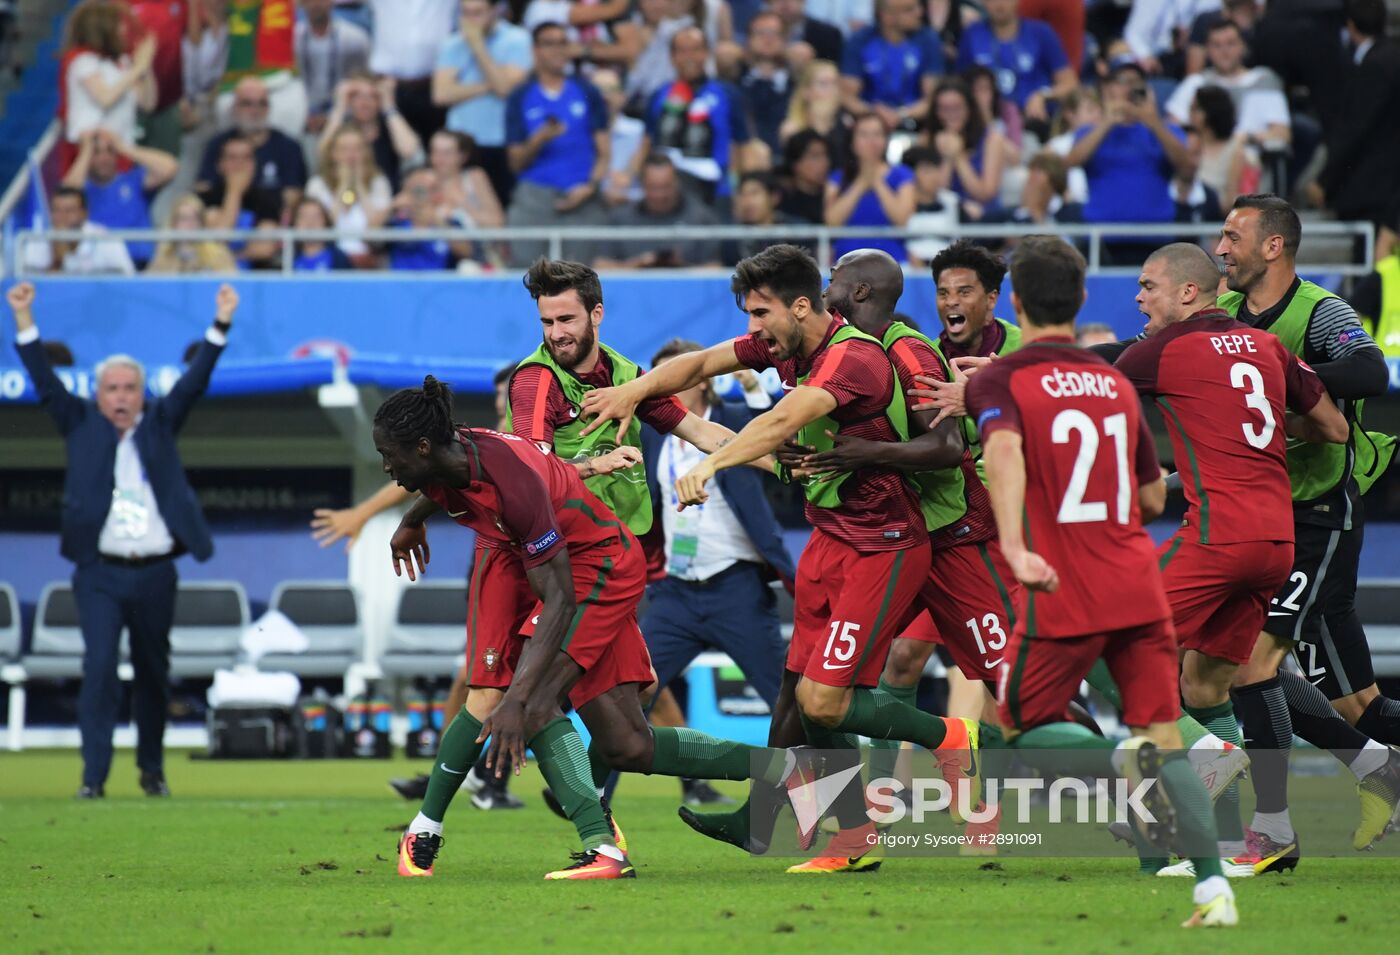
463	114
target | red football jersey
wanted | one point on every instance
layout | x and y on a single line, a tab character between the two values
1222	387
538	405
878	508
545	507
1087	451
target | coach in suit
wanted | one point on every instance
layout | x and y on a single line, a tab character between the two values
718	557
128	512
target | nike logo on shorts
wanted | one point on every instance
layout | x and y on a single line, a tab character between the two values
455	513
826	665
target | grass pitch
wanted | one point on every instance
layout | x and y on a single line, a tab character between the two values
299	857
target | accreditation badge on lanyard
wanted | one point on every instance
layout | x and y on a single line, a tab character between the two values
130	515
685	535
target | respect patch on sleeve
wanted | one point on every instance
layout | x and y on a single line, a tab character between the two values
542	544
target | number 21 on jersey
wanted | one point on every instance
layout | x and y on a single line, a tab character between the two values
1071	425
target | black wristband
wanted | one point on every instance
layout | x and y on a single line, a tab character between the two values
222	325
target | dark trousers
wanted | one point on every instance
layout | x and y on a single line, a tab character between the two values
141	599
733	612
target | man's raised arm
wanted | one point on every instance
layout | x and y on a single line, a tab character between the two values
619	403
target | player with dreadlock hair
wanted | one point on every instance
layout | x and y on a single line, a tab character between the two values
587	571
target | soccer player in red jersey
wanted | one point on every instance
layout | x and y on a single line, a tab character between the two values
1223	389
868	555
1072	473
587	571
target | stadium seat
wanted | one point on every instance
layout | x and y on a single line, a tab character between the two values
1378	605
210	617
9	624
56	652
328	612
429	633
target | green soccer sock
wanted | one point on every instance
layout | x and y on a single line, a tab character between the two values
1220	720
884	752
564	765
1066	749
599	769
878	715
682	751
456	754
1100	679
1195	820
841	751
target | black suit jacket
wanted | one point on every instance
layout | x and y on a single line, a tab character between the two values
92	453
1363	144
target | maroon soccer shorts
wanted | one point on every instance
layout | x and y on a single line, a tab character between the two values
847	608
603	637
1220	593
969	597
1040	675
499	599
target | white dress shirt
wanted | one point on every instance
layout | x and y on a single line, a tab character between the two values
89	257
134	527
407	34
711	530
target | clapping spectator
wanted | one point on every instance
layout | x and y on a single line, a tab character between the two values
1025	56
280	165
463	186
821	40
101	85
806	170
937	209
351	186
164	21
1224	163
117	199
329	49
698	121
869	191
556	128
477	70
88	256
1261	109
766	82
408	34
816	105
756	205
891	68
419	206
1130	155
664	203
978	153
190	256
316	255
368	107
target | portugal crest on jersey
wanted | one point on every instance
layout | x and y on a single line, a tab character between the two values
491	657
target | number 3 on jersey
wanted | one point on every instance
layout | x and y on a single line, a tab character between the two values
840	645
1073	508
1246	378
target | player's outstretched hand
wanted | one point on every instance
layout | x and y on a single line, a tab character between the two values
965	366
948	397
329	526
846	454
226	303
21	299
1032	571
609	404
618	459
409	542
690	488
505	727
